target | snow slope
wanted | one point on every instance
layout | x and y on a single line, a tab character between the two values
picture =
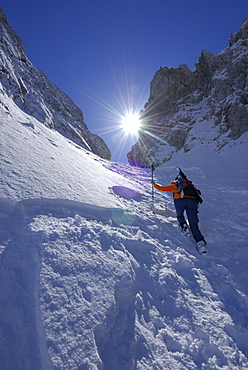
92	279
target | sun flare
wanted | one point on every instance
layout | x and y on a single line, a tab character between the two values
131	123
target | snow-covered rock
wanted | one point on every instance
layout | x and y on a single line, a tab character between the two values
36	95
207	105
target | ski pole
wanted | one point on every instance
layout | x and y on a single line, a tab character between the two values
153	169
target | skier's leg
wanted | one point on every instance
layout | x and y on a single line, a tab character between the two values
192	210
180	207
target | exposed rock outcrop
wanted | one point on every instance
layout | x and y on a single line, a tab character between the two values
208	105
169	84
36	95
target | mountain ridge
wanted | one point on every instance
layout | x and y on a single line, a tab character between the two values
212	98
33	93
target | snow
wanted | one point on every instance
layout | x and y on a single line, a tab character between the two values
92	279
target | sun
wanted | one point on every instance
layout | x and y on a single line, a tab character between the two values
131	123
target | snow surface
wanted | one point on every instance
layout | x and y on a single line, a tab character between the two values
91	278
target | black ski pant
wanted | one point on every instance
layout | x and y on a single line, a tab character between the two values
190	206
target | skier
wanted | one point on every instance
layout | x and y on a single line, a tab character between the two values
189	204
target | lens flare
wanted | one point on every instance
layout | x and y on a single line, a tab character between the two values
122	217
131	123
118	114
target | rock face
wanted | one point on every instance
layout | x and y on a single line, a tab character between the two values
36	95
208	105
169	84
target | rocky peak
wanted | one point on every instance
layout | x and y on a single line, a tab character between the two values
33	93
3	18
240	34
10	41
169	84
207	105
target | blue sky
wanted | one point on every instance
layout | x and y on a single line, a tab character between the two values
104	53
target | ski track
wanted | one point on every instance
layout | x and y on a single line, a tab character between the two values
156	295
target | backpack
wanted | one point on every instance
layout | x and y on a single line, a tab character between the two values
187	188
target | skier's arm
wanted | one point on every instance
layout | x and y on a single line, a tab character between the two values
171	188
